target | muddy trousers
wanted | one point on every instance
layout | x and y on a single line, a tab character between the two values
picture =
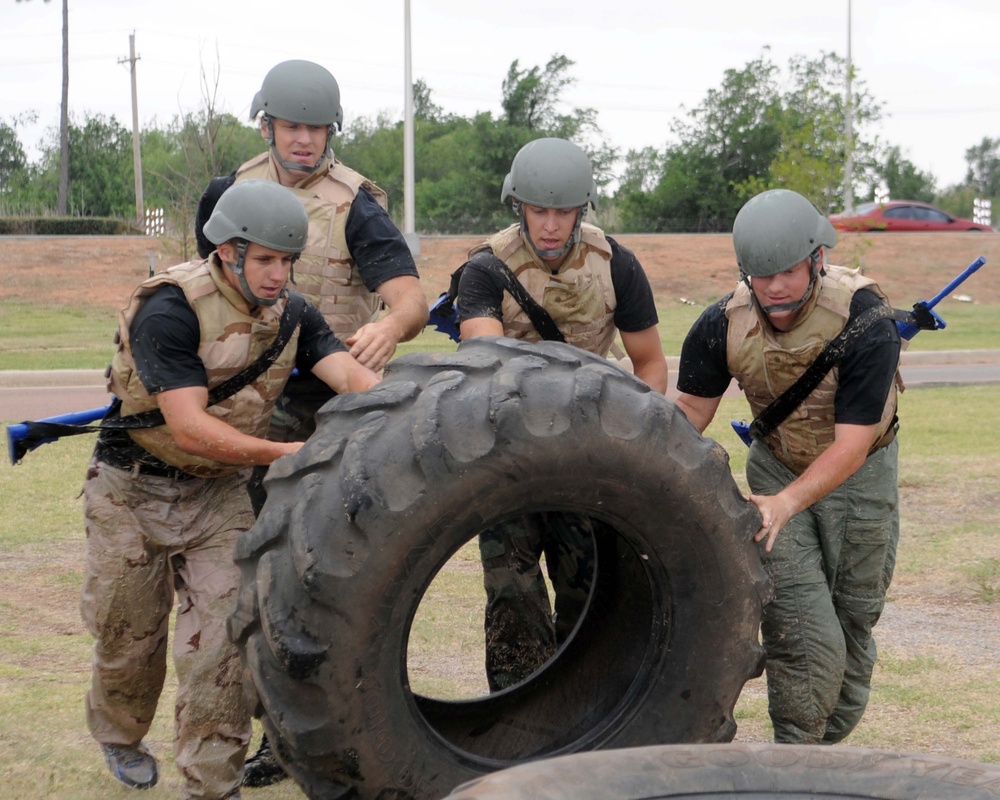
522	632
151	540
831	566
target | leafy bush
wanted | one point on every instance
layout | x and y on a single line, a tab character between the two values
68	226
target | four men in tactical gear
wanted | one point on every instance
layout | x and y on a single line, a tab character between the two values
825	477
208	345
164	505
591	288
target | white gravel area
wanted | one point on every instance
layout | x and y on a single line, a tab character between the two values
963	634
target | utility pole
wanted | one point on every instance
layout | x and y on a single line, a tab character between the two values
848	128
409	232
140	211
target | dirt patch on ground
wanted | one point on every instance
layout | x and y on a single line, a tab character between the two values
697	267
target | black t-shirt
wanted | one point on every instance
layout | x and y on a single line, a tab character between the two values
374	242
866	371
165	335
480	292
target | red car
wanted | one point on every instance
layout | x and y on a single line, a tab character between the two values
902	215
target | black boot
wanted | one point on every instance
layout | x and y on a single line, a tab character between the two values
263	769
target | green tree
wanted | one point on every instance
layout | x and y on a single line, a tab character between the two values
812	153
747	136
903	180
14	168
531	97
101	182
958	200
983	161
729	139
531	100
423	107
374	147
460	163
642	170
181	158
101	169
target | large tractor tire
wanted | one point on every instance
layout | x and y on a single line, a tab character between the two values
398	478
733	771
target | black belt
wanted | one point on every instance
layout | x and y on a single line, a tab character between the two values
886	438
118	460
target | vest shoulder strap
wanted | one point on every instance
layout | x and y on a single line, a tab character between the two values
40	431
540	318
779	409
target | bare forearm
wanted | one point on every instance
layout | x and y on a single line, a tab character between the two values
408	310
834	466
646	354
407	317
700	411
653	373
375	343
210	437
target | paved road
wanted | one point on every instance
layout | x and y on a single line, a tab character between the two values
36	395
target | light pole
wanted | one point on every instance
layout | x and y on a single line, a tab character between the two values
140	209
409	233
848	128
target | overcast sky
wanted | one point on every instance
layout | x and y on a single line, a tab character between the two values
934	65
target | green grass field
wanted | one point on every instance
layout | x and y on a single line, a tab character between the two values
925	699
37	337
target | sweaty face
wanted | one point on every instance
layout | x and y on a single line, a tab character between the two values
266	271
785	287
550	228
297	143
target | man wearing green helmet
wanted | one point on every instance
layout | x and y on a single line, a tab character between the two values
591	288
205	349
355	260
823	474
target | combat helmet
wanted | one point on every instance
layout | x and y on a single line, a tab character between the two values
262	212
303	92
551	173
776	230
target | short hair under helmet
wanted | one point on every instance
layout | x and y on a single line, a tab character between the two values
777	229
551	173
300	91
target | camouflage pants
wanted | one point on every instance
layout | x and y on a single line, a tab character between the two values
521	630
831	566
150	539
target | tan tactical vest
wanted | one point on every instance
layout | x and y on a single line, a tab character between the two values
765	362
326	273
232	338
580	296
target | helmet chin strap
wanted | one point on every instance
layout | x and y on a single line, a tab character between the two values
295	166
237	268
793	305
570	242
